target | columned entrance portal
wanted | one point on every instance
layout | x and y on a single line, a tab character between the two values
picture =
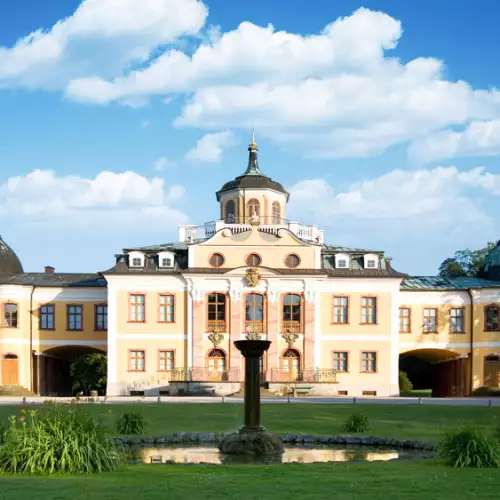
10	369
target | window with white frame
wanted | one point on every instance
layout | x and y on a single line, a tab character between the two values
136	259
341	261
166	259
371	261
340	361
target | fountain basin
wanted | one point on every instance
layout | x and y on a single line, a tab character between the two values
292	454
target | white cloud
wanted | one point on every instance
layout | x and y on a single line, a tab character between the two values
477	139
209	148
109	198
429	196
101	38
163	163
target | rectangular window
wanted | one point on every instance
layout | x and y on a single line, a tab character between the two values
457	320
368	362
47	316
404	320
341	310
137	308
342	263
166	361
75	317
10	316
137	361
368	310
101	317
166	308
430	320
340	361
370	264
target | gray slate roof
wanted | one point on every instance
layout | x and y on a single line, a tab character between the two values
54	279
415	283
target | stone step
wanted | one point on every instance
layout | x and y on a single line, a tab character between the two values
14	390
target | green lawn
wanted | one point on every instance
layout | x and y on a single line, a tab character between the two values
399	421
417	393
387	480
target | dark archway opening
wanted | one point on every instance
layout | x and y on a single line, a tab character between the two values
67	370
438	372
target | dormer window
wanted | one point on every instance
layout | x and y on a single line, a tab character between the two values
342	261
136	259
371	261
166	259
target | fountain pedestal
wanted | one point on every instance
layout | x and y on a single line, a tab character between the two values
252	438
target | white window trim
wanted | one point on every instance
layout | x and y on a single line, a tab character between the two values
136	255
166	255
371	256
342	256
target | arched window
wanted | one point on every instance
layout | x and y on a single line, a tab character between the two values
253	260
216	312
216	364
216	260
492	318
290	363
253	208
230	212
254	313
292	260
292	313
276	216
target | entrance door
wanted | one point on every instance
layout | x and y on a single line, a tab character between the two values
291	365
216	364
10	370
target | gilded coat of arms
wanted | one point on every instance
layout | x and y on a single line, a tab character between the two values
252	276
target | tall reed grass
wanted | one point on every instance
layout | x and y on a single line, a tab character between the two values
469	447
57	440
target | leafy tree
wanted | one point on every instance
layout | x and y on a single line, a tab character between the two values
88	373
465	263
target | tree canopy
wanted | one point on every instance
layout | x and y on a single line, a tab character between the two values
465	262
89	373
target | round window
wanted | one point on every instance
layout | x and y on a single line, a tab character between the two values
217	260
292	260
254	260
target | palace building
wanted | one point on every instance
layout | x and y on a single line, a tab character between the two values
340	319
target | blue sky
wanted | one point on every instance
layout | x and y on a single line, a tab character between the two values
116	125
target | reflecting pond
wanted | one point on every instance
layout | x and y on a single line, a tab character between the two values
296	454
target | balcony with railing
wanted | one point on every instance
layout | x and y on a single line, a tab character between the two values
193	234
292	326
254	326
217	326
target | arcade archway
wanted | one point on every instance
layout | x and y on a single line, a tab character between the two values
446	373
52	369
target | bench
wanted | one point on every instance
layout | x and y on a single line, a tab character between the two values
301	389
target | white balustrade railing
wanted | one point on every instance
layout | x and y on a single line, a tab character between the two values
192	234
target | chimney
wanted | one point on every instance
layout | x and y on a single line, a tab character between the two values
388	261
49	270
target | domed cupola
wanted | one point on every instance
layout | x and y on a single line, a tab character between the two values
491	270
9	261
253	193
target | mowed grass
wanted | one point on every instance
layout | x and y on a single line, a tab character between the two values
398	421
349	481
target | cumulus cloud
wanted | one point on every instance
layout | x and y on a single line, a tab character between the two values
102	38
477	139
109	198
210	147
434	196
163	163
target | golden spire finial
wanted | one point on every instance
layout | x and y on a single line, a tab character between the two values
253	144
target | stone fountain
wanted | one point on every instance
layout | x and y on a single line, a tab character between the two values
252	439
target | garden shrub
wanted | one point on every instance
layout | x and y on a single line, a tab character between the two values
57	440
131	423
357	423
469	448
405	384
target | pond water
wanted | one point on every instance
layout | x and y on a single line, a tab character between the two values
296	454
